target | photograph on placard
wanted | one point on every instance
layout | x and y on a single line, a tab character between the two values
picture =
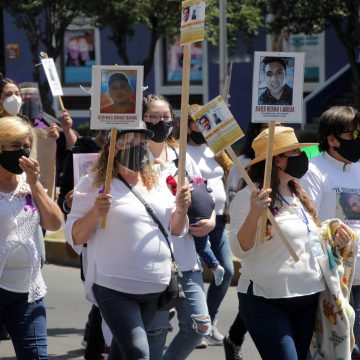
83	164
218	125
192	21
348	206
116	100
78	56
117	92
52	76
278	87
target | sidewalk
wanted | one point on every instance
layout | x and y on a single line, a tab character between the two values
56	253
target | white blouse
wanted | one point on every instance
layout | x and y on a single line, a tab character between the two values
130	255
20	257
270	266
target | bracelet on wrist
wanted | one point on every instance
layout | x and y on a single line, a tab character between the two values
65	207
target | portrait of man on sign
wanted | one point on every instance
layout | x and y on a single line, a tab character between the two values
273	88
186	14
205	123
120	95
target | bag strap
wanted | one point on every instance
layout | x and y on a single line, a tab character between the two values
151	212
176	162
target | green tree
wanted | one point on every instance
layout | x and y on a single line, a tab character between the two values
44	23
163	18
122	17
306	16
244	18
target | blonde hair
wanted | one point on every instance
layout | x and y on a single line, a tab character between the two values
13	128
148	174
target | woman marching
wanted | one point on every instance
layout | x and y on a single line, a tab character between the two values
128	261
278	297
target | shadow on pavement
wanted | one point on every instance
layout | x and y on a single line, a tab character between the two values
64	331
73	354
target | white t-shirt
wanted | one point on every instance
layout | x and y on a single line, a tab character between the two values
270	266
234	177
326	182
131	254
212	171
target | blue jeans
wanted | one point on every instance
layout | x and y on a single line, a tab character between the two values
128	316
26	324
355	292
221	249
280	328
194	322
205	252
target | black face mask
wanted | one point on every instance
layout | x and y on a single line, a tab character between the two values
349	149
297	166
197	137
161	130
9	160
134	158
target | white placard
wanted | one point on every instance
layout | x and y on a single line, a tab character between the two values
52	76
278	81
82	164
116	99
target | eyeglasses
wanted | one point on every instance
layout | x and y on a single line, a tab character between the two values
157	118
354	134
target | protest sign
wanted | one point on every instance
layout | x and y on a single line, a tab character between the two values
116	99
192	21
83	164
277	87
217	124
52	76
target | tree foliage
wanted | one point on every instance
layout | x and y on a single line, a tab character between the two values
160	17
307	16
244	19
44	23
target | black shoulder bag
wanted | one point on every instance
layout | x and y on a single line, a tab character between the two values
174	293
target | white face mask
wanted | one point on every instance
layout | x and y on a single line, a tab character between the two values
12	104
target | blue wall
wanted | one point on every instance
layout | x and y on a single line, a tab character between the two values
21	69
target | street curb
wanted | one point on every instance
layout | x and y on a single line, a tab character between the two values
57	253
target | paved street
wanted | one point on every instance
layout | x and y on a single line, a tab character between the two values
67	312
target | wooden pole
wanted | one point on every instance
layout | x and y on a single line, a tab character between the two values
267	178
252	186
109	169
184	114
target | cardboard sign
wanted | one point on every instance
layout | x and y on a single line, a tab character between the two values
83	164
44	151
192	21
218	125
277	87
116	100
52	76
